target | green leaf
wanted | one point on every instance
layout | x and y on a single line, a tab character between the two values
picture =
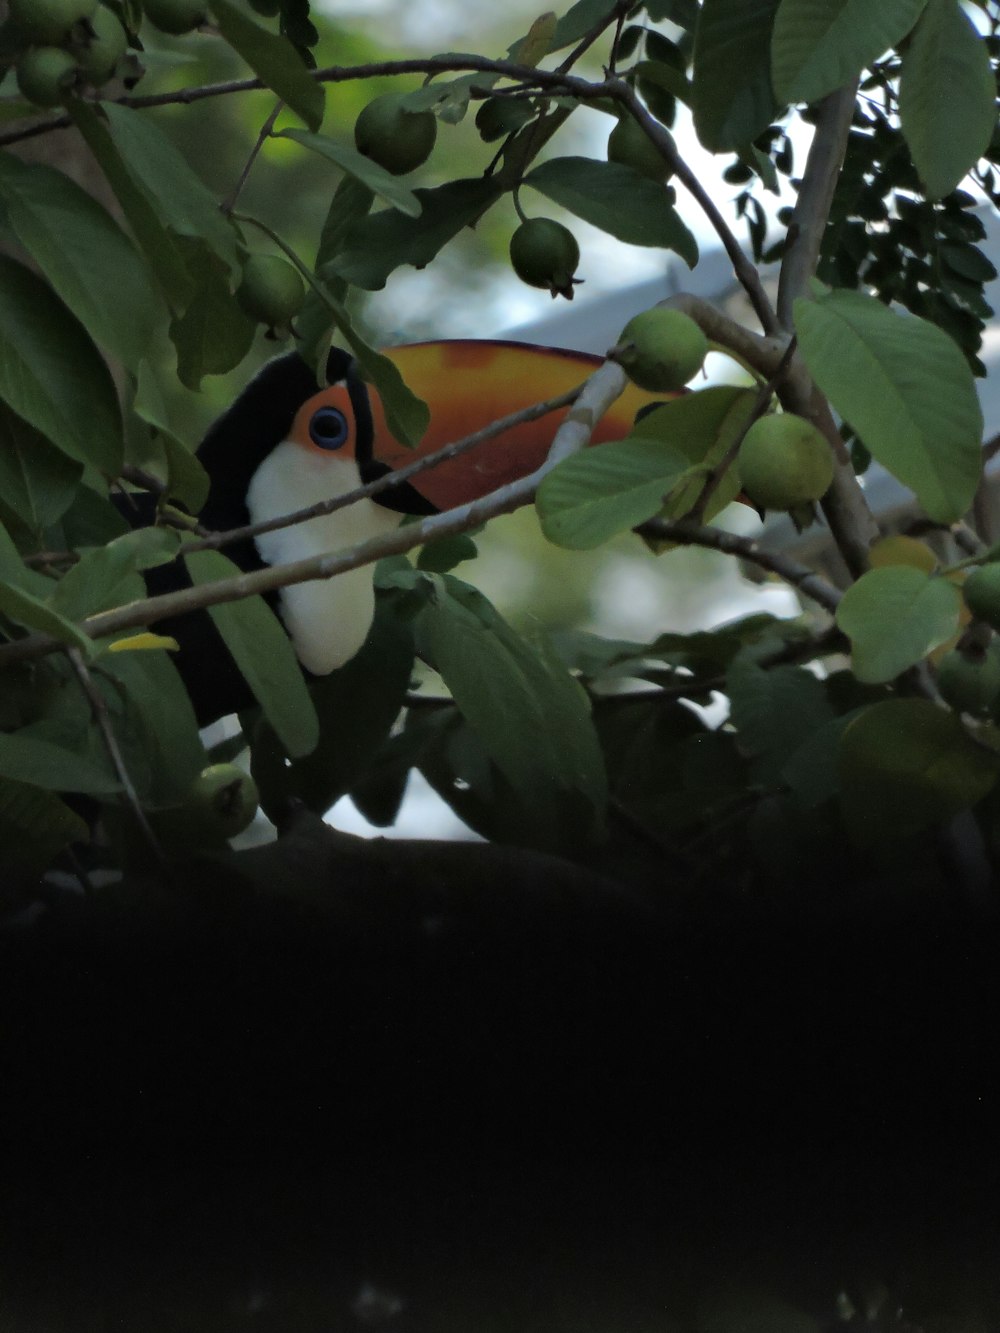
531	716
14	570
375	246
369	173
156	726
100	579
274	60
35	826
731	87
44	764
350	202
820	45
671	80
894	617
52	375
947	134
577	22
702	426
25	609
439	556
772	709
357	706
264	654
158	245
906	765
187	480
37	480
813	772
406	415
109	575
594	191
87	258
448	98
183	203
593	495
906	389
213	335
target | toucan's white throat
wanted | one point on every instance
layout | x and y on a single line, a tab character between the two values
327	619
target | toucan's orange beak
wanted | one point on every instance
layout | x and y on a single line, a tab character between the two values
468	385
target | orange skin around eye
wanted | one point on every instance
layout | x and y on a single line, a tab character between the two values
467	385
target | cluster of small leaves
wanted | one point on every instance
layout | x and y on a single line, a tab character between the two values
920	253
898	224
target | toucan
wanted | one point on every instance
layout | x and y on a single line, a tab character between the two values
288	442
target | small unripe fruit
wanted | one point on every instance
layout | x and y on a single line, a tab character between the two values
271	292
175	17
661	349
49	21
44	75
97	60
981	591
784	462
969	680
224	798
397	139
629	144
544	253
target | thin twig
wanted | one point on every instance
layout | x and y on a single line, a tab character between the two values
589	38
684	533
265	133
746	272
99	709
533	78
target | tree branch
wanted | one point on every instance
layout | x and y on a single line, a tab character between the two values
684	533
745	270
526	74
763	354
812	207
851	521
603	387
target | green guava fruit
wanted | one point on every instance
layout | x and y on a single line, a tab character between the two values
397	139
224	799
981	591
271	291
98	59
175	17
969	680
784	462
544	253
661	349
44	75
629	144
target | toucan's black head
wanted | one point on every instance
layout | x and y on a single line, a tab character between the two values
263	416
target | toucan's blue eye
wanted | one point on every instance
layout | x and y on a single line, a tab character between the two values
328	428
